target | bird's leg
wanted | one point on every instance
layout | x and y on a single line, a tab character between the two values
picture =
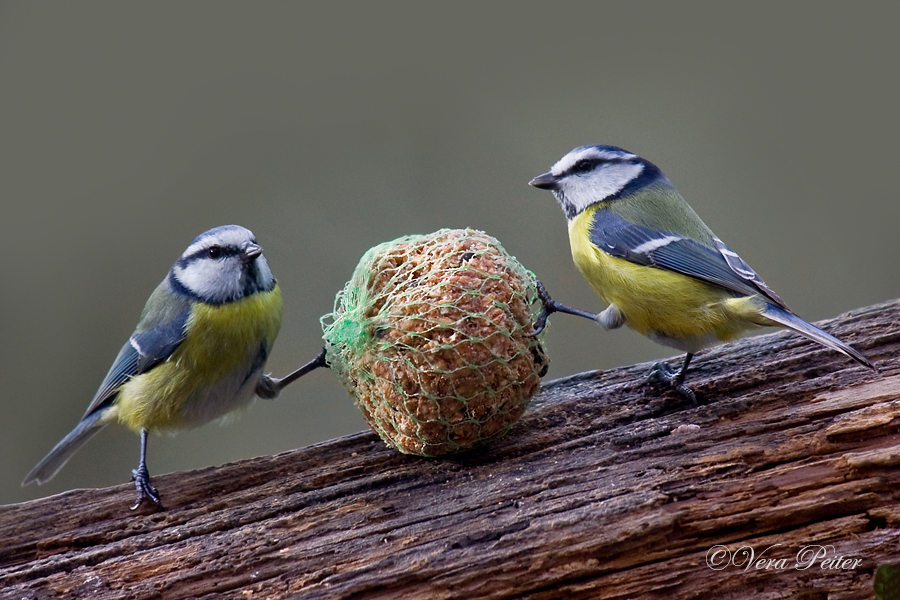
141	478
661	372
269	387
551	306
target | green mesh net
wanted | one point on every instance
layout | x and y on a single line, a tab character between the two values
430	338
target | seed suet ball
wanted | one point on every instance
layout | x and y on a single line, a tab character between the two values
433	337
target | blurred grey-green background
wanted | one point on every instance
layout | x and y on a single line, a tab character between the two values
126	129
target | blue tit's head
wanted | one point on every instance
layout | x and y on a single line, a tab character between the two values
222	265
591	174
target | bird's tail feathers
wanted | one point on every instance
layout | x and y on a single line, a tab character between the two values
792	321
63	451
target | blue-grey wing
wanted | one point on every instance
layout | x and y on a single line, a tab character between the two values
158	334
719	266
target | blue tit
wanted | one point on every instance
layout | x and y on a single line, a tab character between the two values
659	268
197	354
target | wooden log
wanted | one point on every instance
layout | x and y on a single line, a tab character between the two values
607	488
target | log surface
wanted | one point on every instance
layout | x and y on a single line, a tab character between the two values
607	488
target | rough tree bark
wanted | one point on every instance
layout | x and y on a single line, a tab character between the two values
606	488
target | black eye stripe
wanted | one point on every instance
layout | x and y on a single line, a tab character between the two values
585	165
205	253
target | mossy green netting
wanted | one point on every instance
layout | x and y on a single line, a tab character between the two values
430	338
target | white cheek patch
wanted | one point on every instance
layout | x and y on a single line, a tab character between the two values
264	277
607	180
210	278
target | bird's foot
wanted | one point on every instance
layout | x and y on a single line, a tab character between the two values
663	373
551	306
269	387
145	491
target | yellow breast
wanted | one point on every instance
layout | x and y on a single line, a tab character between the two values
655	301
208	374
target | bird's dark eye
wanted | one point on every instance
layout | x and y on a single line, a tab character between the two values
214	252
583	166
